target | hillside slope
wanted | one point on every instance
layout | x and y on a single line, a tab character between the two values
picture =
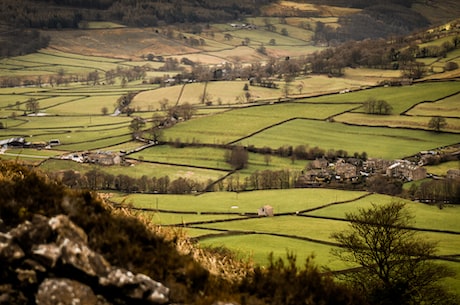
53	237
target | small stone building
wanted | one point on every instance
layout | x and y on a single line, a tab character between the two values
266	210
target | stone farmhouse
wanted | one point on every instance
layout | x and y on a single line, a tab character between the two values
345	171
100	158
406	170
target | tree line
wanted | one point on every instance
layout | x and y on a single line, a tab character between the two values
15	42
69	13
99	180
440	192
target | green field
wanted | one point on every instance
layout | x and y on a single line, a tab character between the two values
448	107
311	112
400	98
379	142
302	233
233	125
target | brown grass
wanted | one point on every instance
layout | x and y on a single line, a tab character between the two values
124	43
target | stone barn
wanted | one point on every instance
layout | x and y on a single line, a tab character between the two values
266	210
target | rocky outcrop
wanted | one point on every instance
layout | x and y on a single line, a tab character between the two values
47	261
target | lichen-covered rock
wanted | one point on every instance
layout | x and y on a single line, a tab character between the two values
65	228
79	256
61	291
49	262
32	232
47	254
9	251
136	286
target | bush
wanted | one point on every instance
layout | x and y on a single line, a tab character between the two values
450	66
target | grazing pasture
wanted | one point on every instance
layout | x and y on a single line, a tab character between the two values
310	112
380	142
447	107
239	123
137	170
412	122
442	168
400	98
312	215
283	201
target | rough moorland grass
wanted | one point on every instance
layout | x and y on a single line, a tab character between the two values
378	142
238	123
400	98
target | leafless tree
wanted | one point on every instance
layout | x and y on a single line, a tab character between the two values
396	265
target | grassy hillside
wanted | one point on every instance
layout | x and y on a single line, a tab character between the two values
72	91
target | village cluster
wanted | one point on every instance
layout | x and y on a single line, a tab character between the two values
353	170
318	172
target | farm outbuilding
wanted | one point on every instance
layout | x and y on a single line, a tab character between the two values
266	210
13	142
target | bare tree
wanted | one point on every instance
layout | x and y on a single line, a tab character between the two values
437	123
396	264
136	126
33	105
156	131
